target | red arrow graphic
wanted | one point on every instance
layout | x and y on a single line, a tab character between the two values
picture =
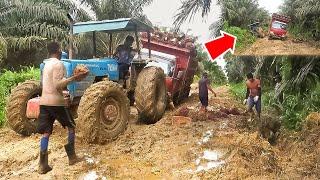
221	45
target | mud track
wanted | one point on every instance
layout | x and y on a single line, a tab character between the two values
220	148
266	47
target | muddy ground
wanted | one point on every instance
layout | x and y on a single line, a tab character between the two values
290	46
220	148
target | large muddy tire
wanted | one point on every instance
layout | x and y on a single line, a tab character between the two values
103	112
17	105
151	94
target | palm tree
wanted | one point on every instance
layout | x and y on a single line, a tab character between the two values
113	9
189	8
236	12
301	74
27	24
3	48
305	17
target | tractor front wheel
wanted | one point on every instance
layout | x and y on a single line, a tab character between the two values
17	106
103	112
151	94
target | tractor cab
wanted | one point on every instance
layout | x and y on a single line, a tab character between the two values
124	25
102	67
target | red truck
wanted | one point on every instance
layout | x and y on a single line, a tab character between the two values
278	26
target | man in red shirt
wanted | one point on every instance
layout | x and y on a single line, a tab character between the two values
253	95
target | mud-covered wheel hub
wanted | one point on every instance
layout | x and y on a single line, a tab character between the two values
103	112
110	113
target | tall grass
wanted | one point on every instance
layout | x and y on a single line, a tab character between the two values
8	80
238	90
296	107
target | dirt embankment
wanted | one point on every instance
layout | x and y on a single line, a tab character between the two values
266	47
224	147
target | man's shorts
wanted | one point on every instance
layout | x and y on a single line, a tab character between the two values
48	114
257	104
204	100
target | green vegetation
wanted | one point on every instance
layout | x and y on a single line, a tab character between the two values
27	25
238	90
244	37
300	85
235	18
215	72
305	18
8	80
238	13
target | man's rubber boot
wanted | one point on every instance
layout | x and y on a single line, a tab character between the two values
73	158
43	163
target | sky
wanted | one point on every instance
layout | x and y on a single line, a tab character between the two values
161	13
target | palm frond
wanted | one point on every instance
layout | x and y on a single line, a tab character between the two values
25	42
36	10
3	48
188	10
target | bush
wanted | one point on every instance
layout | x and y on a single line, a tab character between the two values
244	37
291	114
238	91
296	107
215	72
8	80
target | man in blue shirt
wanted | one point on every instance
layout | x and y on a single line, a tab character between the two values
124	55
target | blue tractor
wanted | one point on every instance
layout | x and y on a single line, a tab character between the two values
101	102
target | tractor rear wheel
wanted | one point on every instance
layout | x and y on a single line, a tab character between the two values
151	94
103	112
17	105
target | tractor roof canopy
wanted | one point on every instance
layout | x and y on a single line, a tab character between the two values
124	24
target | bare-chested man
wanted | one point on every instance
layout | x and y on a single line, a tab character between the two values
53	106
253	96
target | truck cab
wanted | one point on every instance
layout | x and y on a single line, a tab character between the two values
278	26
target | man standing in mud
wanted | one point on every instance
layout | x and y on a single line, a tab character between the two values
253	95
204	86
53	106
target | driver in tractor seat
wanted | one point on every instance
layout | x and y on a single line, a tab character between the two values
124	54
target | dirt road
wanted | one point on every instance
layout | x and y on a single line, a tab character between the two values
220	148
266	47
